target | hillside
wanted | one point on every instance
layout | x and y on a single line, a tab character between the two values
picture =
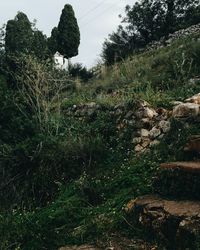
88	149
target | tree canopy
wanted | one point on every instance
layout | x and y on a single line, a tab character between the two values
19	35
53	41
40	45
147	21
22	36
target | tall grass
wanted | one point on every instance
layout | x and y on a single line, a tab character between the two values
164	68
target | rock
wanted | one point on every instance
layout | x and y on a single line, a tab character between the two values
193	145
161	111
173	222
194	99
146	143
149	113
136	140
186	110
144	133
154	133
139	114
176	103
145	121
138	148
154	143
180	181
190	166
165	126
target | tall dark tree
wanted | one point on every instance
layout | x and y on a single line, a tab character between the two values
68	33
40	45
119	45
53	41
19	35
146	19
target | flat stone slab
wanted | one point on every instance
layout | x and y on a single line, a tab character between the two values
175	208
192	167
193	144
168	220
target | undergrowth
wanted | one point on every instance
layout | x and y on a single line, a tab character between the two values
66	180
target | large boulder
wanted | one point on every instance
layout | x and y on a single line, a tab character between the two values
193	144
194	99
185	110
154	133
175	223
165	126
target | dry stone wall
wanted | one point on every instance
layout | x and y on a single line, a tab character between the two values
195	29
146	124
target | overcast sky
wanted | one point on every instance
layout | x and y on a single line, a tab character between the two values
96	18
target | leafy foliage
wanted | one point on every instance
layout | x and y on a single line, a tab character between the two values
53	41
77	70
147	21
19	35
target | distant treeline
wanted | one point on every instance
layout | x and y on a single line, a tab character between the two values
20	36
147	21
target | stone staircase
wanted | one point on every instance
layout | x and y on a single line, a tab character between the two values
172	214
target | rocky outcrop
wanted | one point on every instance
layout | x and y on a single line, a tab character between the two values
193	144
191	167
180	180
172	214
185	110
176	223
189	108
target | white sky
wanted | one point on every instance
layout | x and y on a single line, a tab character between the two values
96	18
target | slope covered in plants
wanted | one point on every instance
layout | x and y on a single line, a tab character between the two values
67	153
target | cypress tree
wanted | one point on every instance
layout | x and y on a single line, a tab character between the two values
53	41
68	33
40	45
19	34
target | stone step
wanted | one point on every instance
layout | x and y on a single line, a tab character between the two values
175	223
192	166
180	180
193	144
